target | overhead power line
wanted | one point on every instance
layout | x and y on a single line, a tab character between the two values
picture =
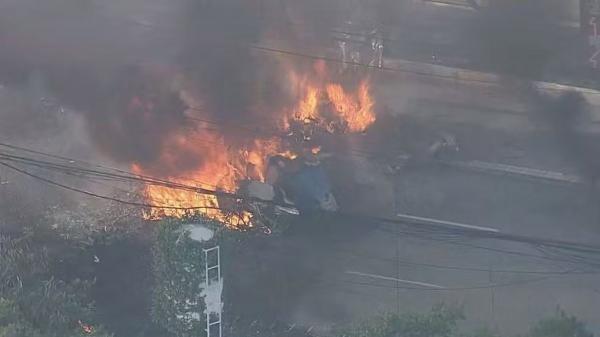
428	287
342	32
389	69
99	196
557	257
465	268
70	162
425	230
148	205
293	53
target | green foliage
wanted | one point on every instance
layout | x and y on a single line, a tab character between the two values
440	322
19	262
263	328
33	303
179	273
483	332
560	325
14	324
55	305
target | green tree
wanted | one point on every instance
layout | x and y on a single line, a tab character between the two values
482	332
33	302
560	325
178	305
441	321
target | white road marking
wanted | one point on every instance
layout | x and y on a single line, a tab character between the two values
431	221
381	277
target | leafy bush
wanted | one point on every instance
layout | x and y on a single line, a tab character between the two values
33	303
560	325
483	332
179	272
441	321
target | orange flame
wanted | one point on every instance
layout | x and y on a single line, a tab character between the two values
355	110
307	108
222	166
221	170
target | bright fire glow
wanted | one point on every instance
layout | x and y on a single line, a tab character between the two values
320	100
355	110
307	108
221	169
221	166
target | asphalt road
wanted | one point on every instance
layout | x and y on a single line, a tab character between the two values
303	278
493	125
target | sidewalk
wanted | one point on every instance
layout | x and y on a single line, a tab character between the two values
478	78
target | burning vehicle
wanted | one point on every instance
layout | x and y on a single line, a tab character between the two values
295	185
206	114
292	185
278	163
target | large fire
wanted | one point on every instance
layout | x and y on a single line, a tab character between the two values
355	110
329	104
319	103
347	111
222	169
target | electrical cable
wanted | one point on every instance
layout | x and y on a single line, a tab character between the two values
491	249
91	194
366	219
336	31
462	268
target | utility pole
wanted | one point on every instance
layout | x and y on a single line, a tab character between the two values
492	296
397	269
397	243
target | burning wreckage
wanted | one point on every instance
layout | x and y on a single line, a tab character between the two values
290	185
294	185
257	174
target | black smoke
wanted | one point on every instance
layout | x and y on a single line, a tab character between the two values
523	38
96	60
567	114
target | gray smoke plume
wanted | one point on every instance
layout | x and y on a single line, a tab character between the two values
566	114
114	63
522	38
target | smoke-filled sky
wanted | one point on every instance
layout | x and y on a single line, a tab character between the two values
119	67
95	57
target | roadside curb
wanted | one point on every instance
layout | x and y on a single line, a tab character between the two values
478	78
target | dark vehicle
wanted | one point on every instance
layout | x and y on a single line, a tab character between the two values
295	186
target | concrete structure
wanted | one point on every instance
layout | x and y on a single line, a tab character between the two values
212	288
